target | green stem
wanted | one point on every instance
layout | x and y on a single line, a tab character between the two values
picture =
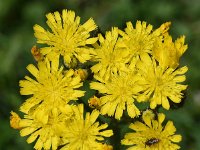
116	138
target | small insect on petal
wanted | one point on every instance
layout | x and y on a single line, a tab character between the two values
151	141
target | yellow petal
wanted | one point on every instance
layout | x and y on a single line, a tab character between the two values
176	138
98	86
33	137
165	103
55	142
132	110
147	117
138	126
169	128
33	70
161	118
91	40
27	131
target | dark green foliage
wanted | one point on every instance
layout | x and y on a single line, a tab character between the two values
17	18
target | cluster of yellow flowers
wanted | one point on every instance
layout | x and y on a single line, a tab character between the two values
128	67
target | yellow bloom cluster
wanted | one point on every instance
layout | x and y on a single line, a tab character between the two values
68	129
148	72
125	68
52	117
153	60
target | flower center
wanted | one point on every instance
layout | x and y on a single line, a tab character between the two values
159	81
54	90
83	135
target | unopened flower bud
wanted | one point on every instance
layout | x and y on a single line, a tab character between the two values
14	120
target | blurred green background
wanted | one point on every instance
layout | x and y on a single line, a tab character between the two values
17	18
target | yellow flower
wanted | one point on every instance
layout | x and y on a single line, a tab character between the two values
119	94
68	38
46	134
50	89
110	56
151	135
160	84
84	134
141	39
168	53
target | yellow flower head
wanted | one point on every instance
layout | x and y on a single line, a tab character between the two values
151	135
84	133
50	89
141	39
119	94
167	52
110	56
46	134
160	84
67	37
